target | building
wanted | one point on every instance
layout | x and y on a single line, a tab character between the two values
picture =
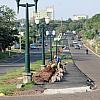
79	17
49	11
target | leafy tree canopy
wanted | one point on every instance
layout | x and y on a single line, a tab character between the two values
7	24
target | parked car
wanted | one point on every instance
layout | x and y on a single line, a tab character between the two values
80	45
74	42
32	46
76	46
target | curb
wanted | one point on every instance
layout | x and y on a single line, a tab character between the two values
67	90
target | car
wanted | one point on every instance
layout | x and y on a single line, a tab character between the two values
46	44
80	45
32	46
76	46
74	42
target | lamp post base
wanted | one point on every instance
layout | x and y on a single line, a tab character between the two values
27	78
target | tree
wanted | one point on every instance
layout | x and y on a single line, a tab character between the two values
7	24
33	32
89	34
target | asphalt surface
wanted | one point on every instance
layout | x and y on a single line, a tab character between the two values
88	63
73	77
18	60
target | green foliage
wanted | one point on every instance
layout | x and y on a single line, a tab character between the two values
89	34
28	86
7	23
93	23
76	25
6	54
36	65
61	29
67	56
7	89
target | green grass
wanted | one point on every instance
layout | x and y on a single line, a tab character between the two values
28	86
11	74
6	54
66	58
54	48
7	88
36	65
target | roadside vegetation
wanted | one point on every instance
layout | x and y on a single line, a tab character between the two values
6	54
9	80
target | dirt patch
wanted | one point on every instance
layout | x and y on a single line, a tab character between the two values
14	80
33	91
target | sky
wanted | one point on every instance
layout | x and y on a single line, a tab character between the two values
62	8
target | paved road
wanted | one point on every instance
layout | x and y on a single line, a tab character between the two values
89	64
18	61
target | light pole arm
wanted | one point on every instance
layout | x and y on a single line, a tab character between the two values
24	5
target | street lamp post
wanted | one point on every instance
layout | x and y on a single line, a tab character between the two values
50	34
56	47
43	32
56	40
27	54
43	46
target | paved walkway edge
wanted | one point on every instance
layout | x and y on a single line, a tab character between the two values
67	90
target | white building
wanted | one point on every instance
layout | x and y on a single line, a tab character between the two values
49	11
79	17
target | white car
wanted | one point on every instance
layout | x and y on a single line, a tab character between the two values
74	42
80	45
77	46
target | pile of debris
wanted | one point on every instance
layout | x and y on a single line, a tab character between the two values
59	73
44	75
51	73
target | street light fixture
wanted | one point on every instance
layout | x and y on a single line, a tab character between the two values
47	19
50	34
28	75
35	5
